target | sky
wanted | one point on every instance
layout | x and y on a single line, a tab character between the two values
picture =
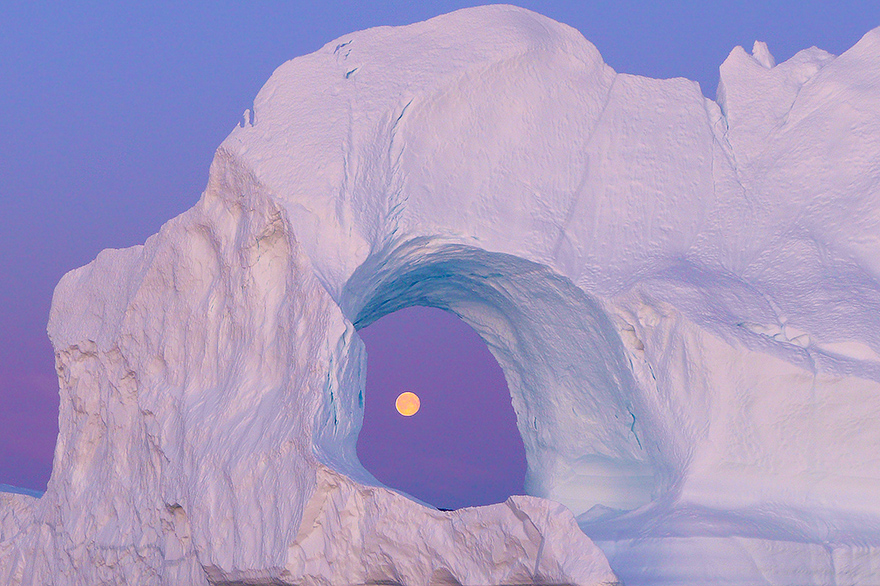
462	447
113	110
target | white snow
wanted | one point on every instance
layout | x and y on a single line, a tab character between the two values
683	296
762	55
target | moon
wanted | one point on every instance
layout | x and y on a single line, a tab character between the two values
407	404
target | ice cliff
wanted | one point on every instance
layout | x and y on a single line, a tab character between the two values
684	296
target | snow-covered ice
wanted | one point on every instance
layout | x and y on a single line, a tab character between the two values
684	296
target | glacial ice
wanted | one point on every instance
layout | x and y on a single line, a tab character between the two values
683	295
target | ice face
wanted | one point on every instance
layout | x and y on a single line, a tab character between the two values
682	294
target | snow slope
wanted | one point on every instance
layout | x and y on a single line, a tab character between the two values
683	296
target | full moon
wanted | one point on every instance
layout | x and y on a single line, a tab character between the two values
407	404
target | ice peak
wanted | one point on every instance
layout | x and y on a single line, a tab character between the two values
762	55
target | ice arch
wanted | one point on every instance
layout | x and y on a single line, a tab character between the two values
683	294
571	385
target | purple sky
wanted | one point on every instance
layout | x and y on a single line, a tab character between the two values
112	112
479	457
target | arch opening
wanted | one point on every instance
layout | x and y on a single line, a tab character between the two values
461	448
586	432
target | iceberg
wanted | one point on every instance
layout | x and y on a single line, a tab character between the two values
683	295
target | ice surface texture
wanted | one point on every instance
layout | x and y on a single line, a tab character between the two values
684	296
